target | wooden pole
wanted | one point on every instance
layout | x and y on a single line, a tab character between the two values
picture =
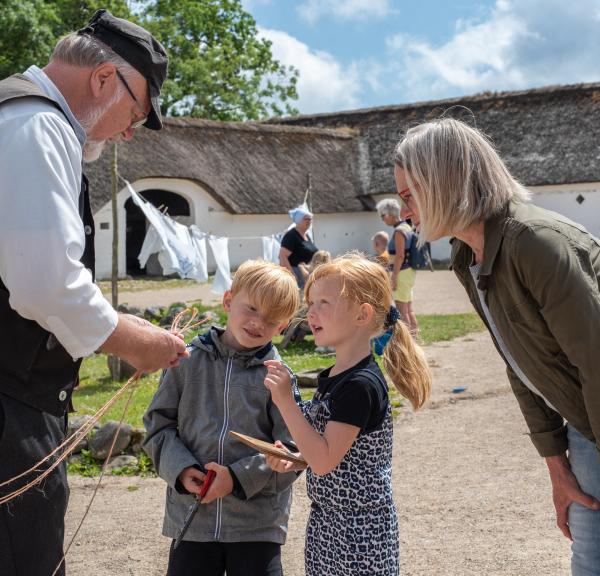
114	362
114	279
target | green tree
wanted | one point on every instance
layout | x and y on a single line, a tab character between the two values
219	67
29	29
27	34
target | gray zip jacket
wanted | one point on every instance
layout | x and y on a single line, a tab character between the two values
215	390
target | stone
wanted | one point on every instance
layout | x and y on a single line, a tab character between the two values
308	378
100	443
154	313
122	461
210	317
74	424
137	438
119	369
127	309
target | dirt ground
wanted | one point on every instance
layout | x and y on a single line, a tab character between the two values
449	295
472	495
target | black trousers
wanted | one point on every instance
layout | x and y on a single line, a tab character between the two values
218	558
32	525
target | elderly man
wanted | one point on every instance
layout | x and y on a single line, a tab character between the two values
101	84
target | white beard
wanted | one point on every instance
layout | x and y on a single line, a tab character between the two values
92	150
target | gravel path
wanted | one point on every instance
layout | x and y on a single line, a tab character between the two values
449	296
473	496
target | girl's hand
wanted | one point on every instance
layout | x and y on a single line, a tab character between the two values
283	466
221	486
279	382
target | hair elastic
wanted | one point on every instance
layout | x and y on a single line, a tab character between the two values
392	317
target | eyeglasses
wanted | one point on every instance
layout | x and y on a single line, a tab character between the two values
138	123
405	196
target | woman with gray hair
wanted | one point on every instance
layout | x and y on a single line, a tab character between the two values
402	276
533	277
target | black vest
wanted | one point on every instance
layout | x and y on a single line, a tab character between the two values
34	366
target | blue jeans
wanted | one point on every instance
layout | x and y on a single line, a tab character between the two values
583	522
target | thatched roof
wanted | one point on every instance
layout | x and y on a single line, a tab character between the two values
249	168
546	136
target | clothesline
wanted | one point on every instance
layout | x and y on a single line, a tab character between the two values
183	249
274	235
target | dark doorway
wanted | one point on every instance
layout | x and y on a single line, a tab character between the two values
136	225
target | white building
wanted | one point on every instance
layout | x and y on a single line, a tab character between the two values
239	179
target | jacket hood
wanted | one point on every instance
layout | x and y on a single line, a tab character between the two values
211	342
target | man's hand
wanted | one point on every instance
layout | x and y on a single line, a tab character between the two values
145	346
221	486
565	491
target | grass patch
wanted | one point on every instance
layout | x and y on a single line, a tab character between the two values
443	327
96	387
146	283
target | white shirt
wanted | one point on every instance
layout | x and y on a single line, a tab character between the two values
41	233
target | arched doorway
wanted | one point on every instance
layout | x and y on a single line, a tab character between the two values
175	205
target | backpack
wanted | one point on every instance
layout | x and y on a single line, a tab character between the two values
419	257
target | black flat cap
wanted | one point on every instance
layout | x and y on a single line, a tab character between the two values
139	48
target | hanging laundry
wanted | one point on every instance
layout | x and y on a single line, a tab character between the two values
222	281
177	252
201	264
271	247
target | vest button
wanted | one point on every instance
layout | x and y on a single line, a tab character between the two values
87	229
62	396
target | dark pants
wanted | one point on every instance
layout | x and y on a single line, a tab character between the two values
32	525
216	558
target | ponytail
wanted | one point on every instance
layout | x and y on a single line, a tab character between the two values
406	365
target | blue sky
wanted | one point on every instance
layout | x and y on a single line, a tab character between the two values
363	53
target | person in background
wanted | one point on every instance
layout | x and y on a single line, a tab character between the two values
100	84
242	523
319	257
402	276
532	276
380	242
297	247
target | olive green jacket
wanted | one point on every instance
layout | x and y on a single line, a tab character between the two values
540	272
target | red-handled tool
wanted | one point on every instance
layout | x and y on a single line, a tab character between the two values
210	476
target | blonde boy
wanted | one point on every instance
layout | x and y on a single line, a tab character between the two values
243	518
380	246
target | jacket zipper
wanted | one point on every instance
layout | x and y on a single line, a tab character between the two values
222	435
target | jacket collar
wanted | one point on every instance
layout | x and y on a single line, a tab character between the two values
211	342
493	232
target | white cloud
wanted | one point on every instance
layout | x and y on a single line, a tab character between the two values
521	44
324	84
313	10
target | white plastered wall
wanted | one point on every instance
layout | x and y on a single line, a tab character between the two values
336	233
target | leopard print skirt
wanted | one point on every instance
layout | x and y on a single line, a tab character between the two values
353	527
